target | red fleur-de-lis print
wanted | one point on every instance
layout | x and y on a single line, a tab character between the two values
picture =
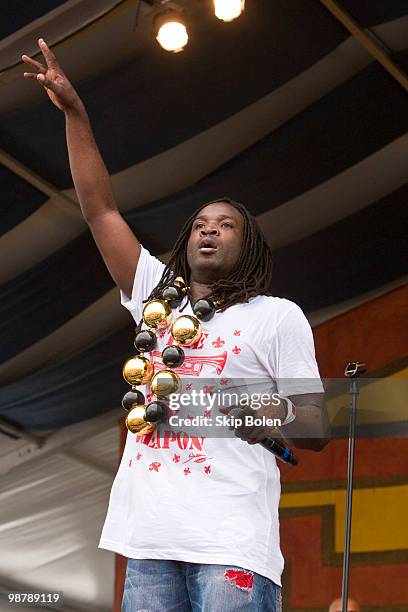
207	413
187	471
154	467
224	381
208	388
236	350
130	463
189	386
138	456
207	469
162	334
200	342
237	332
176	458
218	343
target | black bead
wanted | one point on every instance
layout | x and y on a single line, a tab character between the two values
173	295
132	397
173	356
145	340
156	411
204	309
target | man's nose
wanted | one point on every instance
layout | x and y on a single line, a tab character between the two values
209	230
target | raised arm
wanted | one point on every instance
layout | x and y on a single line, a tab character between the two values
118	245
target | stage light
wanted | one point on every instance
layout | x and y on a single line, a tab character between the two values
171	31
227	10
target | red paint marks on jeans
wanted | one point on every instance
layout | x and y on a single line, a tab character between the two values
243	580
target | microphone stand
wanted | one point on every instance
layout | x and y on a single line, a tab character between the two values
353	371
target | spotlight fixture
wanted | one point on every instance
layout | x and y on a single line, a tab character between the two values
228	10
171	31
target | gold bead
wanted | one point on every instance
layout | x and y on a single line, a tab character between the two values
135	421
164	383
186	330
138	370
157	314
180	283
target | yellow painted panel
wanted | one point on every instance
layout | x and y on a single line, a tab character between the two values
384	400
379	516
400	374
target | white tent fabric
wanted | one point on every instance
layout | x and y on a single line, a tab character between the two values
52	509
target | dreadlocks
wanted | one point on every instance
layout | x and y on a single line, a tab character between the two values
251	276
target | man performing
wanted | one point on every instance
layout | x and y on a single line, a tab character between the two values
198	517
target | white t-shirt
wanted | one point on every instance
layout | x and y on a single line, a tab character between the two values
211	499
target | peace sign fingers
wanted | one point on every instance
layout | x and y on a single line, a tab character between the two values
32	62
49	56
52	78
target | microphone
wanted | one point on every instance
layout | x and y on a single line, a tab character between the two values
284	453
281	451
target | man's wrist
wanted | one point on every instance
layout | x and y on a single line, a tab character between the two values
289	411
76	111
281	410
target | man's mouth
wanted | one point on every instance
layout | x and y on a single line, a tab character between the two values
207	246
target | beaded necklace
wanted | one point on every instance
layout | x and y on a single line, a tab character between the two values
139	370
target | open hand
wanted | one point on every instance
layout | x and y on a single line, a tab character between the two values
52	78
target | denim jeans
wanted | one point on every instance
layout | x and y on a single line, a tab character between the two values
155	585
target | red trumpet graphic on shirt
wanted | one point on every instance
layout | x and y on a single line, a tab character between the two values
193	365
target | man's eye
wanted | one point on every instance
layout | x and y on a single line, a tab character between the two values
226	224
198	225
